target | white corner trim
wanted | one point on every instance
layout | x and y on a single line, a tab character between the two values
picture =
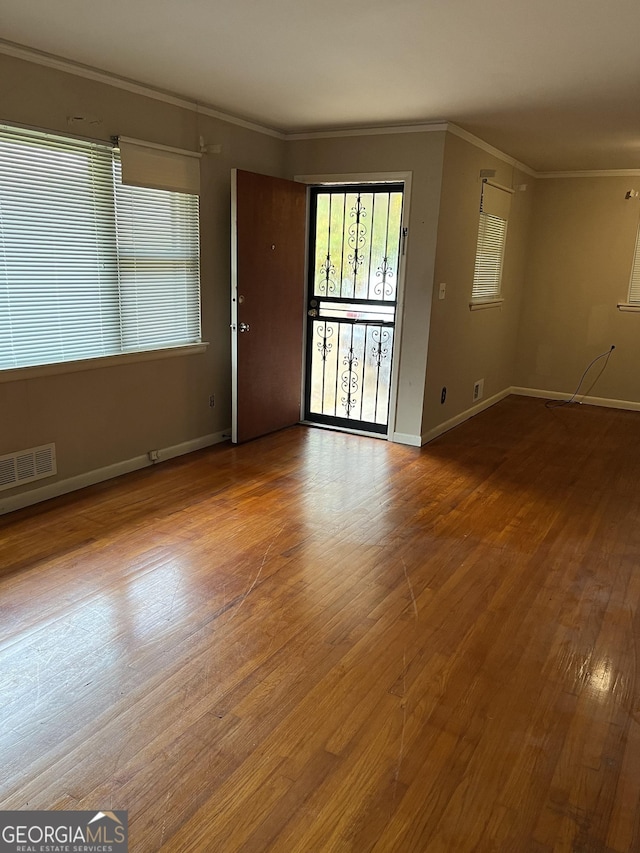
536	392
464	416
605	402
479	304
378	130
595	173
206	110
99	475
480	143
39	57
15	374
406	438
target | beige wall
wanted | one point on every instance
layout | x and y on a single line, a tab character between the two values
567	264
465	345
104	416
582	241
421	154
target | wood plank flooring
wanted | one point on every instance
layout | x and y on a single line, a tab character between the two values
317	643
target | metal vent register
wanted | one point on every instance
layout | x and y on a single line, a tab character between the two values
25	466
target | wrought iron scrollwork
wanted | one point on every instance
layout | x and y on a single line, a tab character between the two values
357	236
349	381
384	287
351	310
324	346
380	349
327	285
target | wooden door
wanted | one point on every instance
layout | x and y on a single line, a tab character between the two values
267	299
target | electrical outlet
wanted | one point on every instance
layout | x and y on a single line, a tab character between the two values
154	456
212	400
478	390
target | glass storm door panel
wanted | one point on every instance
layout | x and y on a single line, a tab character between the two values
354	255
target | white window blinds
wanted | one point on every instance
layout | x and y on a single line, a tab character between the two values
89	267
492	235
158	262
634	284
58	261
487	275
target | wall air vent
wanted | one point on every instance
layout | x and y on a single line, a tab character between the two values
25	466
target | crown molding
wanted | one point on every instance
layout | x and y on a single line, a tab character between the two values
424	127
89	73
78	69
206	110
377	130
594	173
490	149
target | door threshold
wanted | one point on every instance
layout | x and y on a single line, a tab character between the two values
382	435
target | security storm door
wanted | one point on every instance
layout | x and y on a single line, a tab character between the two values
354	255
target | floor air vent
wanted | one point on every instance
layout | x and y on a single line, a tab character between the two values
25	466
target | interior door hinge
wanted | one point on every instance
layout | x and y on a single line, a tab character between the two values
405	231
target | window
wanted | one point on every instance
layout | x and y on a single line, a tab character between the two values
492	235
634	283
89	266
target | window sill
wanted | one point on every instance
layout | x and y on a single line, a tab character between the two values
13	374
480	304
628	306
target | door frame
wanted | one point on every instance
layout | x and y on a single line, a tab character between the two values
371	178
234	307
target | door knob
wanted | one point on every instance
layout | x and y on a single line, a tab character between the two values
244	327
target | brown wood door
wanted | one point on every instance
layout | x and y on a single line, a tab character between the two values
267	299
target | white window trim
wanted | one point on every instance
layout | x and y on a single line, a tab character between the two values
481	304
16	374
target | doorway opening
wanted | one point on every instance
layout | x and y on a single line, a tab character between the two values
355	238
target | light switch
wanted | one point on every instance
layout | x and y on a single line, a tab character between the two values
442	291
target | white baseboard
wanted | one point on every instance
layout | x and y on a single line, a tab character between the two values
407	438
535	392
99	475
628	405
464	416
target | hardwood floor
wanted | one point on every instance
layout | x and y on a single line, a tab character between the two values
319	642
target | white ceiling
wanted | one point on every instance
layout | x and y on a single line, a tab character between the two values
553	83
